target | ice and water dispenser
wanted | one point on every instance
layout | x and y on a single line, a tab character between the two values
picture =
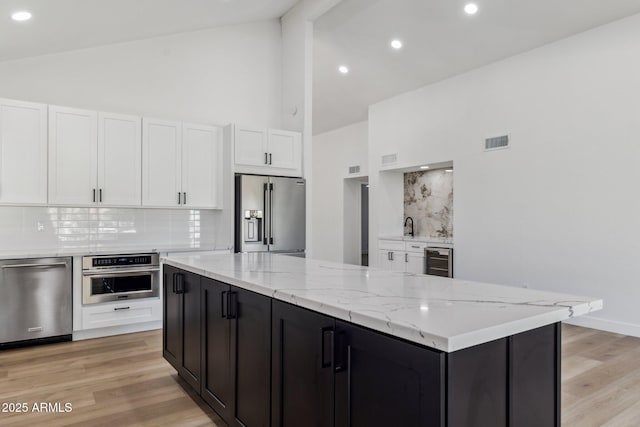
253	226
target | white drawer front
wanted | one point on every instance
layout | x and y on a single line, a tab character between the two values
391	245
105	315
416	246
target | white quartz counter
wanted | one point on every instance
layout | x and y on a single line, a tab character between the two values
64	252
430	241
446	314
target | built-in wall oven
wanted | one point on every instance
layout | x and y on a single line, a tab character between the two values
120	277
439	261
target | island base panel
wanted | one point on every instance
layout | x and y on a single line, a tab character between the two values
514	381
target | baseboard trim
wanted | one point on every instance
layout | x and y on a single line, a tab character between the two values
116	330
606	325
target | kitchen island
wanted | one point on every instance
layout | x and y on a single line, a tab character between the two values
277	340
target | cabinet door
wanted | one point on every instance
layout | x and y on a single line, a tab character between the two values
384	260
251	345
119	160
415	263
251	147
217	374
161	151
189	286
172	318
23	152
398	261
73	156
384	381
302	367
201	166
285	151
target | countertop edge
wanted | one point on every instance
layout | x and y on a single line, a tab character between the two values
407	331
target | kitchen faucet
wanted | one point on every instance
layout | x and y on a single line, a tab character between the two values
405	224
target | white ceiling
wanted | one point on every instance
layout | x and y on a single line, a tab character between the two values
60	25
440	41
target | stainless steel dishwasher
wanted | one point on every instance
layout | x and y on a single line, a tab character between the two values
35	300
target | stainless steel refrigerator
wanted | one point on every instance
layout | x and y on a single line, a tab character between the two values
269	214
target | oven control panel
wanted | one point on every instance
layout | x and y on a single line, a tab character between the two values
107	261
117	261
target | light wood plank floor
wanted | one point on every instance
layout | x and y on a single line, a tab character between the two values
124	381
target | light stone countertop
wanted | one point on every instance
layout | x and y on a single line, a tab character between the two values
118	250
441	313
432	241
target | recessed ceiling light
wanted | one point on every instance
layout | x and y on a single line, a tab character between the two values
471	8
21	16
448	170
424	167
343	69
396	44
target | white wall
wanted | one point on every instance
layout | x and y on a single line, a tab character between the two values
559	210
333	153
218	76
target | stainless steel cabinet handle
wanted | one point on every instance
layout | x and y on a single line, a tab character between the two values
94	195
415	247
101	195
184	198
53	264
270	158
121	308
179	198
391	256
266	158
406	257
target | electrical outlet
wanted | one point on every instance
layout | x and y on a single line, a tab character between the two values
40	226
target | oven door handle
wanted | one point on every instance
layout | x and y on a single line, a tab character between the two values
119	272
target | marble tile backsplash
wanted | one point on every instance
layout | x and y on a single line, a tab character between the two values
428	199
25	228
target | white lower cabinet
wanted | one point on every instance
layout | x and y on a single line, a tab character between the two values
397	255
106	315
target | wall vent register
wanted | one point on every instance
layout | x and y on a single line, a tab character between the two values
354	169
496	142
389	159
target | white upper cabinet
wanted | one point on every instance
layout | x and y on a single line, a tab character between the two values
272	152
251	147
181	165
23	152
119	160
73	153
285	150
161	168
201	166
94	158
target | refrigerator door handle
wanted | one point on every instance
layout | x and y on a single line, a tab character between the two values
271	213
267	215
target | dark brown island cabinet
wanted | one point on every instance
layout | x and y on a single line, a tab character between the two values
261	362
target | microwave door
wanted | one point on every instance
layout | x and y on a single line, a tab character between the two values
252	218
287	215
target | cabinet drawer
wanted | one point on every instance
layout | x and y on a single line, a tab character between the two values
125	313
391	245
416	247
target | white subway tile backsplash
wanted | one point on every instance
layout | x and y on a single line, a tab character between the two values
90	228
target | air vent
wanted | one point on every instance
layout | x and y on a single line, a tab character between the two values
496	143
354	169
389	159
